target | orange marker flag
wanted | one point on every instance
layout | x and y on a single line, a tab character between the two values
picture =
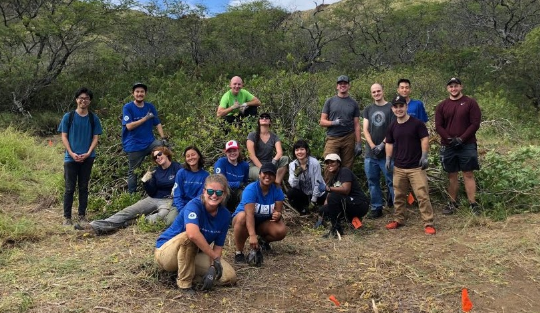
333	299
357	223
410	198
466	303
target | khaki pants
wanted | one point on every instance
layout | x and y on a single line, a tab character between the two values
342	146
417	179
182	255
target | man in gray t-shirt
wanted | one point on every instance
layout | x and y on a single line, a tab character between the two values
377	117
341	117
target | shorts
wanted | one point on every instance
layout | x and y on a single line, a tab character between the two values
261	219
464	158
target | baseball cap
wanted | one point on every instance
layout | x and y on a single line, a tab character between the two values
137	85
265	115
399	99
268	168
332	157
231	144
343	78
453	80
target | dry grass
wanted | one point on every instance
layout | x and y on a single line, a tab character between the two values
398	271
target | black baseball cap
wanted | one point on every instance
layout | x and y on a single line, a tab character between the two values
268	168
453	80
399	100
343	78
137	85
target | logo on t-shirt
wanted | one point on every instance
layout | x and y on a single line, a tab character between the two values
218	170
126	118
192	216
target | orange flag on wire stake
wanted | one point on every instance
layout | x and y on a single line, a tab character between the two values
410	198
333	299
466	303
357	223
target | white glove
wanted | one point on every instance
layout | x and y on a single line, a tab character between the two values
147	176
243	107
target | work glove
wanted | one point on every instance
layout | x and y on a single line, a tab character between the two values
311	206
322	187
218	267
338	122
236	105
387	164
243	107
274	161
147	176
164	142
209	278
149	115
424	162
297	170
358	149
378	149
455	142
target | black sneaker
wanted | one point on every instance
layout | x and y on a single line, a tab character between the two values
475	208
450	209
265	246
374	214
240	258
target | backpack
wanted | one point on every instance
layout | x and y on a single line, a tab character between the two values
92	123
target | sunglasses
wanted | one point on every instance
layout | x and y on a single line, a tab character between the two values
399	105
158	155
211	192
265	117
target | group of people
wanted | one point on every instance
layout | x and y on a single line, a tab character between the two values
199	207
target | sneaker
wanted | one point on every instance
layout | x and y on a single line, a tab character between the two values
82	219
239	258
450	209
265	246
393	225
430	230
475	208
374	214
67	222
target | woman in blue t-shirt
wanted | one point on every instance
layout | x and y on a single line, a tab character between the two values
189	181
236	170
259	213
186	246
158	184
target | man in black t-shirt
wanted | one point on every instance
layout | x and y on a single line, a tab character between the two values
409	136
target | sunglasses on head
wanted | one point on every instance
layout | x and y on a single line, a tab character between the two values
211	192
158	155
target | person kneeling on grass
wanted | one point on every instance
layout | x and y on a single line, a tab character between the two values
304	177
185	246
158	184
259	213
345	199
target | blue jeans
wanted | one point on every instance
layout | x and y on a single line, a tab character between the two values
77	172
135	159
373	168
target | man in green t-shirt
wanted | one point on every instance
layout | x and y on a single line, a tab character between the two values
237	103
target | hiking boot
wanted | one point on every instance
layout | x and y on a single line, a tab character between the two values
265	246
374	214
450	209
83	220
475	208
67	222
393	225
430	230
86	227
240	258
188	292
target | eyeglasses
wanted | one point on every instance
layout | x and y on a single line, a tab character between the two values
211	192
158	155
84	98
330	161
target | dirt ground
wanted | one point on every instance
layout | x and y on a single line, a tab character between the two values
369	270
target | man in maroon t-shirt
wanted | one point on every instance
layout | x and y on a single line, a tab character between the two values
456	120
407	140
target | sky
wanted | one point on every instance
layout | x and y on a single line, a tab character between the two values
219	6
